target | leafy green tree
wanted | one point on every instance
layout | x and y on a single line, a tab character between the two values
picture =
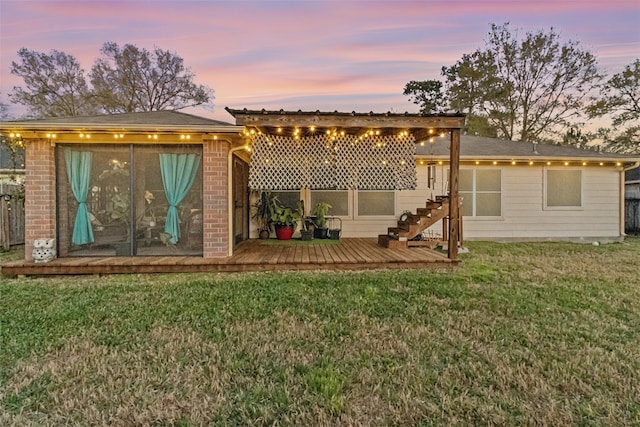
525	88
427	94
130	79
626	141
620	96
55	84
575	138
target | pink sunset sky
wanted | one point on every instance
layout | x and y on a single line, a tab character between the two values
310	55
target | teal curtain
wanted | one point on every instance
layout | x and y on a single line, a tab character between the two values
178	175
79	173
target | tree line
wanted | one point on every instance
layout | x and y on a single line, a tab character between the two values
122	80
531	88
536	88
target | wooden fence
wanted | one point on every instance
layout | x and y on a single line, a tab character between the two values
632	216
11	215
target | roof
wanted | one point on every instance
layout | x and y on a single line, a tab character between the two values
143	121
476	147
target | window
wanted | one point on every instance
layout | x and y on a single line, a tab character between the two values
563	188
481	190
338	199
288	199
376	203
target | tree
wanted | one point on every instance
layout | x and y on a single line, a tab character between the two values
55	84
620	96
133	79
427	94
4	111
625	142
575	138
524	88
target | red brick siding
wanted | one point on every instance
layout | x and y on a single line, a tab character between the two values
214	199
40	193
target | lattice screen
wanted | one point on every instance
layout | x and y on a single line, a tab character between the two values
318	162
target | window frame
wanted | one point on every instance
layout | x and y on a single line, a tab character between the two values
474	192
356	202
545	190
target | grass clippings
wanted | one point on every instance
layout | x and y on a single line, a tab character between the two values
519	334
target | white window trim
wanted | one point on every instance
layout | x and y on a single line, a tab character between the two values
545	182
306	193
474	192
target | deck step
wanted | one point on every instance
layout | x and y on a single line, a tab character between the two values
387	241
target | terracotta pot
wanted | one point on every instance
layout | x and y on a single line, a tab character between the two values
284	232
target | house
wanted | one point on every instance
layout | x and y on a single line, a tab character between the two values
510	191
632	201
523	191
167	183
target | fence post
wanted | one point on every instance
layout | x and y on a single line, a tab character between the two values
4	222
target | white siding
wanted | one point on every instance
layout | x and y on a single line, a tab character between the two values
523	214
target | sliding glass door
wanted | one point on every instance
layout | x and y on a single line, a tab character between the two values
126	200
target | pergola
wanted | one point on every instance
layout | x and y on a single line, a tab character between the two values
298	125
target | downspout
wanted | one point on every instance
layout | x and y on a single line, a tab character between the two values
622	196
230	201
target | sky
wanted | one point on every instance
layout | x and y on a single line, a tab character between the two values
344	55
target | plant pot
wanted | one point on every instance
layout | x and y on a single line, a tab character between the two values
321	233
284	232
306	235
264	234
334	234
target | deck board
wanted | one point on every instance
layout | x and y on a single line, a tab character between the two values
252	255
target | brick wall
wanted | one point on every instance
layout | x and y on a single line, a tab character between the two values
40	193
214	199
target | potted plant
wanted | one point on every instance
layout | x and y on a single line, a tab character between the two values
285	220
263	211
320	213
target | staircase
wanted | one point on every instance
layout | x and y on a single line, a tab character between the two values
408	233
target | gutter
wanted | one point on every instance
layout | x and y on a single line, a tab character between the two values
622	195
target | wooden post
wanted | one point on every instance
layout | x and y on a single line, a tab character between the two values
454	209
4	223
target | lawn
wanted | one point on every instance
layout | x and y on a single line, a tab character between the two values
519	334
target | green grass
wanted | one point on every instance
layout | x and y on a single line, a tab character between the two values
537	333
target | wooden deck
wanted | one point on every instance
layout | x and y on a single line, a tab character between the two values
252	255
